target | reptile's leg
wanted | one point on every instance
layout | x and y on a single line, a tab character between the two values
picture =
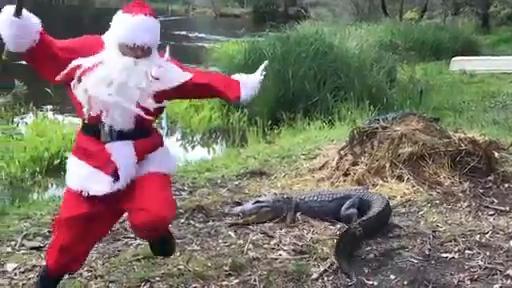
290	218
349	212
291	215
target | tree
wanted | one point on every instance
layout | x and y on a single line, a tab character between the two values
483	7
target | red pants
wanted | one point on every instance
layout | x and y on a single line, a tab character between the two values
84	221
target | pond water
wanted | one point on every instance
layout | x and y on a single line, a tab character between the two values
189	37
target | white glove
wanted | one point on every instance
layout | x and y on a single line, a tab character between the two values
19	34
250	83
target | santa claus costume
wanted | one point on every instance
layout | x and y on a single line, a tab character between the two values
118	163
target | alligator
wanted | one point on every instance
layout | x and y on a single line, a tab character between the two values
363	212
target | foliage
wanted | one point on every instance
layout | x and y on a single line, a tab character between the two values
39	153
498	43
479	104
317	68
265	11
417	42
311	72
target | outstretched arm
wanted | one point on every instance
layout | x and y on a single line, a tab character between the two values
204	84
47	55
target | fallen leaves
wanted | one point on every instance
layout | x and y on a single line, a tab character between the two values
463	245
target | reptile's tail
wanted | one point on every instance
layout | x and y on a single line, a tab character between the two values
349	241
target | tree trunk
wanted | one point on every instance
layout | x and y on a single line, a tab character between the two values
485	18
216	12
384	8
423	11
401	11
285	10
444	4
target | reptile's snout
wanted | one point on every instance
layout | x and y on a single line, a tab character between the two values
257	211
248	208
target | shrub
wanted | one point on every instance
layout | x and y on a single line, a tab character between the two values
265	11
311	72
41	152
317	69
424	41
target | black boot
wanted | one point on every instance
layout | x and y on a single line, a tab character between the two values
164	246
44	280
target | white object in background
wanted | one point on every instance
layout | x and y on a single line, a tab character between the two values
482	64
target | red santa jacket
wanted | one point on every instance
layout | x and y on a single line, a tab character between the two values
92	166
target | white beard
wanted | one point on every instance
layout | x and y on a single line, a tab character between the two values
118	85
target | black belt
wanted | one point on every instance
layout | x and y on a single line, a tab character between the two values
106	134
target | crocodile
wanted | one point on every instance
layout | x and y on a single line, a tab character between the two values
363	212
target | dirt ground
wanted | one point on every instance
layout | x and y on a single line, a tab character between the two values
456	235
463	243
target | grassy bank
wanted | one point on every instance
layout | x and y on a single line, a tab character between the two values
479	104
317	69
322	80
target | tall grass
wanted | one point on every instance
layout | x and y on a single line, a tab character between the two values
310	73
421	42
39	153
316	68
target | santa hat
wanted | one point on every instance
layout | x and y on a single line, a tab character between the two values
135	24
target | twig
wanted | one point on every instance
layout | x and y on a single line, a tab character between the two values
247	244
495	207
289	257
489	266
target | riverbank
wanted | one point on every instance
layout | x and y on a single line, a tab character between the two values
442	242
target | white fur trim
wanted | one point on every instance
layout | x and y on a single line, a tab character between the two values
19	34
123	154
134	29
160	160
88	180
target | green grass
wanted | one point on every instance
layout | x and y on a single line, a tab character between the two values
11	217
421	42
287	148
317	67
38	153
28	160
475	103
498	43
311	72
479	104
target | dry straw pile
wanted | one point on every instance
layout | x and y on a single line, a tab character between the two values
415	149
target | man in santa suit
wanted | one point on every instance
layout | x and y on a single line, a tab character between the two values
118	83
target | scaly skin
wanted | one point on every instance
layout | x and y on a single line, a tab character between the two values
364	212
